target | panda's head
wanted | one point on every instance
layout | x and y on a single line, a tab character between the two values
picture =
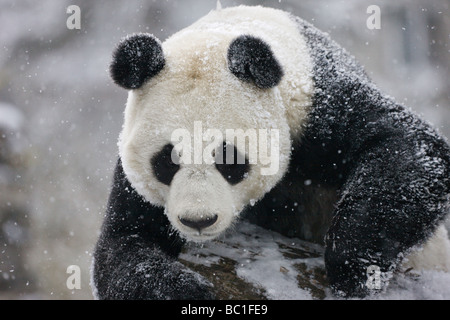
186	96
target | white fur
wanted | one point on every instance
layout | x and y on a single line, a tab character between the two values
433	255
210	195
196	85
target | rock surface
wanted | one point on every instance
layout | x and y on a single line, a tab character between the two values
253	263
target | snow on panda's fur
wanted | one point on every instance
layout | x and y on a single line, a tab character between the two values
355	168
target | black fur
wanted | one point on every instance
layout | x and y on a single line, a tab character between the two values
136	59
163	166
251	59
136	254
231	164
393	170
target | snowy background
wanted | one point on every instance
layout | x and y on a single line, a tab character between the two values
60	114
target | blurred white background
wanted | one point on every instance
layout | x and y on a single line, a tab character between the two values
60	114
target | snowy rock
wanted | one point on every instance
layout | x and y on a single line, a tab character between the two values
254	263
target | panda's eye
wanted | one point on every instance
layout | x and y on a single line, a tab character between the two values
163	166
232	165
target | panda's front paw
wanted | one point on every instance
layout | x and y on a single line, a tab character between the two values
348	275
348	288
190	286
153	279
173	282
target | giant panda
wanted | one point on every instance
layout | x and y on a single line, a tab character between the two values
356	171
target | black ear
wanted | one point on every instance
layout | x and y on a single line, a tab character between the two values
136	59
251	59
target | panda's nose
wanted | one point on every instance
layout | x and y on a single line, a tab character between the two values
199	224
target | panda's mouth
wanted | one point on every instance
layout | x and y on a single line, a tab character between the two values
200	236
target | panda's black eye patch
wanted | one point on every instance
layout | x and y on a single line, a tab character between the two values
163	166
232	165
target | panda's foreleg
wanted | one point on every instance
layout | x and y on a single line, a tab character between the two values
392	200
131	270
136	255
